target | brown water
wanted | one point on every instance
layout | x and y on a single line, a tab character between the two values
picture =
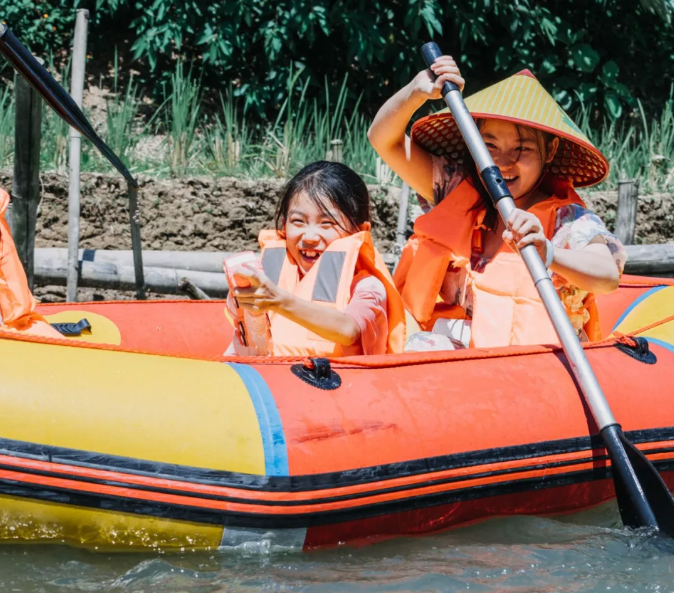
585	552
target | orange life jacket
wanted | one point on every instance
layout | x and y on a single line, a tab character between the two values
17	304
507	309
328	283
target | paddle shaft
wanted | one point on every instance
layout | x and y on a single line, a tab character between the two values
582	371
55	95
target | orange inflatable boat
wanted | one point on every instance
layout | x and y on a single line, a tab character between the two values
140	433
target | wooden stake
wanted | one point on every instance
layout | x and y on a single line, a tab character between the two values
134	219
77	92
26	184
626	213
401	231
335	152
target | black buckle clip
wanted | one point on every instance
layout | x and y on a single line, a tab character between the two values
317	373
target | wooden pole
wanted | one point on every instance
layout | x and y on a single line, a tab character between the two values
26	183
119	277
77	92
136	247
626	213
335	152
401	231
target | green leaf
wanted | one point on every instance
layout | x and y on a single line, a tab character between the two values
584	57
609	73
586	92
564	98
613	105
549	64
502	58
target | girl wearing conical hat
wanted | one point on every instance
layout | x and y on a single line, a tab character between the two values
460	275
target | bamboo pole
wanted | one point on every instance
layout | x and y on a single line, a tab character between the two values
626	212
134	219
121	277
26	182
335	152
77	92
401	230
201	261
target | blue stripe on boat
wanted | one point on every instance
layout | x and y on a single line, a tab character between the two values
669	347
269	419
635	303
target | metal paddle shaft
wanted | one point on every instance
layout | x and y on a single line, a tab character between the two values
56	97
643	497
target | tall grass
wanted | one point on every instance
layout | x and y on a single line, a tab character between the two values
121	117
184	139
182	114
228	139
55	132
636	147
6	125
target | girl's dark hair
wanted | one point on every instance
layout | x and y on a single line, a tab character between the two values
335	182
484	202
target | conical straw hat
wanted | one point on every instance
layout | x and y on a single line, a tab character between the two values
520	99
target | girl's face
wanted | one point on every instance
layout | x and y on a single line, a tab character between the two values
309	230
518	153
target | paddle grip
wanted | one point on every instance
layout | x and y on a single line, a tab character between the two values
431	52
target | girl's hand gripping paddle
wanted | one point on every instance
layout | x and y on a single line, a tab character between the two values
643	497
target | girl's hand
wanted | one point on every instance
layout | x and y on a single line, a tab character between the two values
446	70
261	295
524	228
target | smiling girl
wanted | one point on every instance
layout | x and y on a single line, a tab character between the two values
325	287
460	274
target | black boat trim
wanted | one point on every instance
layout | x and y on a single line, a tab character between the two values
280	521
313	482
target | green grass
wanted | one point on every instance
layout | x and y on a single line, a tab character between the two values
179	137
636	147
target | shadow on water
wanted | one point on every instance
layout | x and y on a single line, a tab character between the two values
582	552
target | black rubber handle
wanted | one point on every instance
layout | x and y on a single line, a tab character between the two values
431	52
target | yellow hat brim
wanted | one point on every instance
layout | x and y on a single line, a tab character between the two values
522	100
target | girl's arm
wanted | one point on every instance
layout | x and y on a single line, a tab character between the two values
387	132
591	269
330	324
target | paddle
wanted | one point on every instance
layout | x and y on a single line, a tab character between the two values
53	93
643	497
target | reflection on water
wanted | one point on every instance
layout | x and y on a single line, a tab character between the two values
583	552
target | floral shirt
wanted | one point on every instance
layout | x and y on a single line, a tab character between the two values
575	228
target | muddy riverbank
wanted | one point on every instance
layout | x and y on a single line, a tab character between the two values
226	214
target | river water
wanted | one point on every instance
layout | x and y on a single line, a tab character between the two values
583	552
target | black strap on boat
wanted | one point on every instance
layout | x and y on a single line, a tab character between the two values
317	373
73	329
639	351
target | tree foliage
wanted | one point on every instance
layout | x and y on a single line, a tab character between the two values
605	52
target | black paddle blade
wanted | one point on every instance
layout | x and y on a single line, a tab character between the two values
55	95
643	497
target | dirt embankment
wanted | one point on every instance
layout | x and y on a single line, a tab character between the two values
225	214
193	214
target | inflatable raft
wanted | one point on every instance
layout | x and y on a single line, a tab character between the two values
142	434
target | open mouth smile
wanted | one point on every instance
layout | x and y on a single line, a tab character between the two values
310	255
